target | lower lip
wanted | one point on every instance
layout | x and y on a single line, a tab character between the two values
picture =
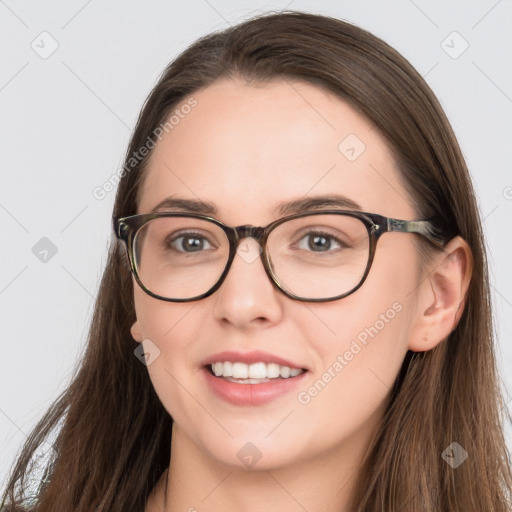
250	394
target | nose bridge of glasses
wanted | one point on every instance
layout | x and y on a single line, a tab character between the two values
245	231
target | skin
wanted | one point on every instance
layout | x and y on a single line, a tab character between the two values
246	148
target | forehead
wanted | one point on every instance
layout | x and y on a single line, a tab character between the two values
246	148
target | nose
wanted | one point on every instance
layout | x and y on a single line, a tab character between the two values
247	297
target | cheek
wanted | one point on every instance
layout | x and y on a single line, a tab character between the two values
359	342
160	320
167	335
355	364
348	391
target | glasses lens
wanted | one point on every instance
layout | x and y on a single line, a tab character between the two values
319	256
180	257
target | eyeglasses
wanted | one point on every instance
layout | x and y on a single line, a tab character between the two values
316	256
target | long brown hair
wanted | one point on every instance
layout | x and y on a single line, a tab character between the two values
113	434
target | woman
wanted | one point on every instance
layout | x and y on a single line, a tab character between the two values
340	359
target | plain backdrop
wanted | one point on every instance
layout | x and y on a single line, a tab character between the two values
73	77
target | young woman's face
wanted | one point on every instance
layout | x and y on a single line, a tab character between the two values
246	149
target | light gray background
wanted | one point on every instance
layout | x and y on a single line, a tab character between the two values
65	123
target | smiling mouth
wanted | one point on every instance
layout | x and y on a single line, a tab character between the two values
255	373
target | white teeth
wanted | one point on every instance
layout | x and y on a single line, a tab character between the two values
217	369
253	371
240	370
273	370
227	369
258	371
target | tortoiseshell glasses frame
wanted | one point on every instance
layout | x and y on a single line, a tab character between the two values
126	228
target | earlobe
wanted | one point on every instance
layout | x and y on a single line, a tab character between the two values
442	296
136	331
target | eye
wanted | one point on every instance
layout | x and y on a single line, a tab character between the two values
189	242
317	241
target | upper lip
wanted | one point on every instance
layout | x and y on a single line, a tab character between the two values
254	356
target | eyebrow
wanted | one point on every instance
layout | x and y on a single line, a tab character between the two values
330	201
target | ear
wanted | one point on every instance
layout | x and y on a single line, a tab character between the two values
442	296
136	331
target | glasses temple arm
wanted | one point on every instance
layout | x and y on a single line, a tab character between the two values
421	227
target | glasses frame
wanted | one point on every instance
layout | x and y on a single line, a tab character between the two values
126	228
